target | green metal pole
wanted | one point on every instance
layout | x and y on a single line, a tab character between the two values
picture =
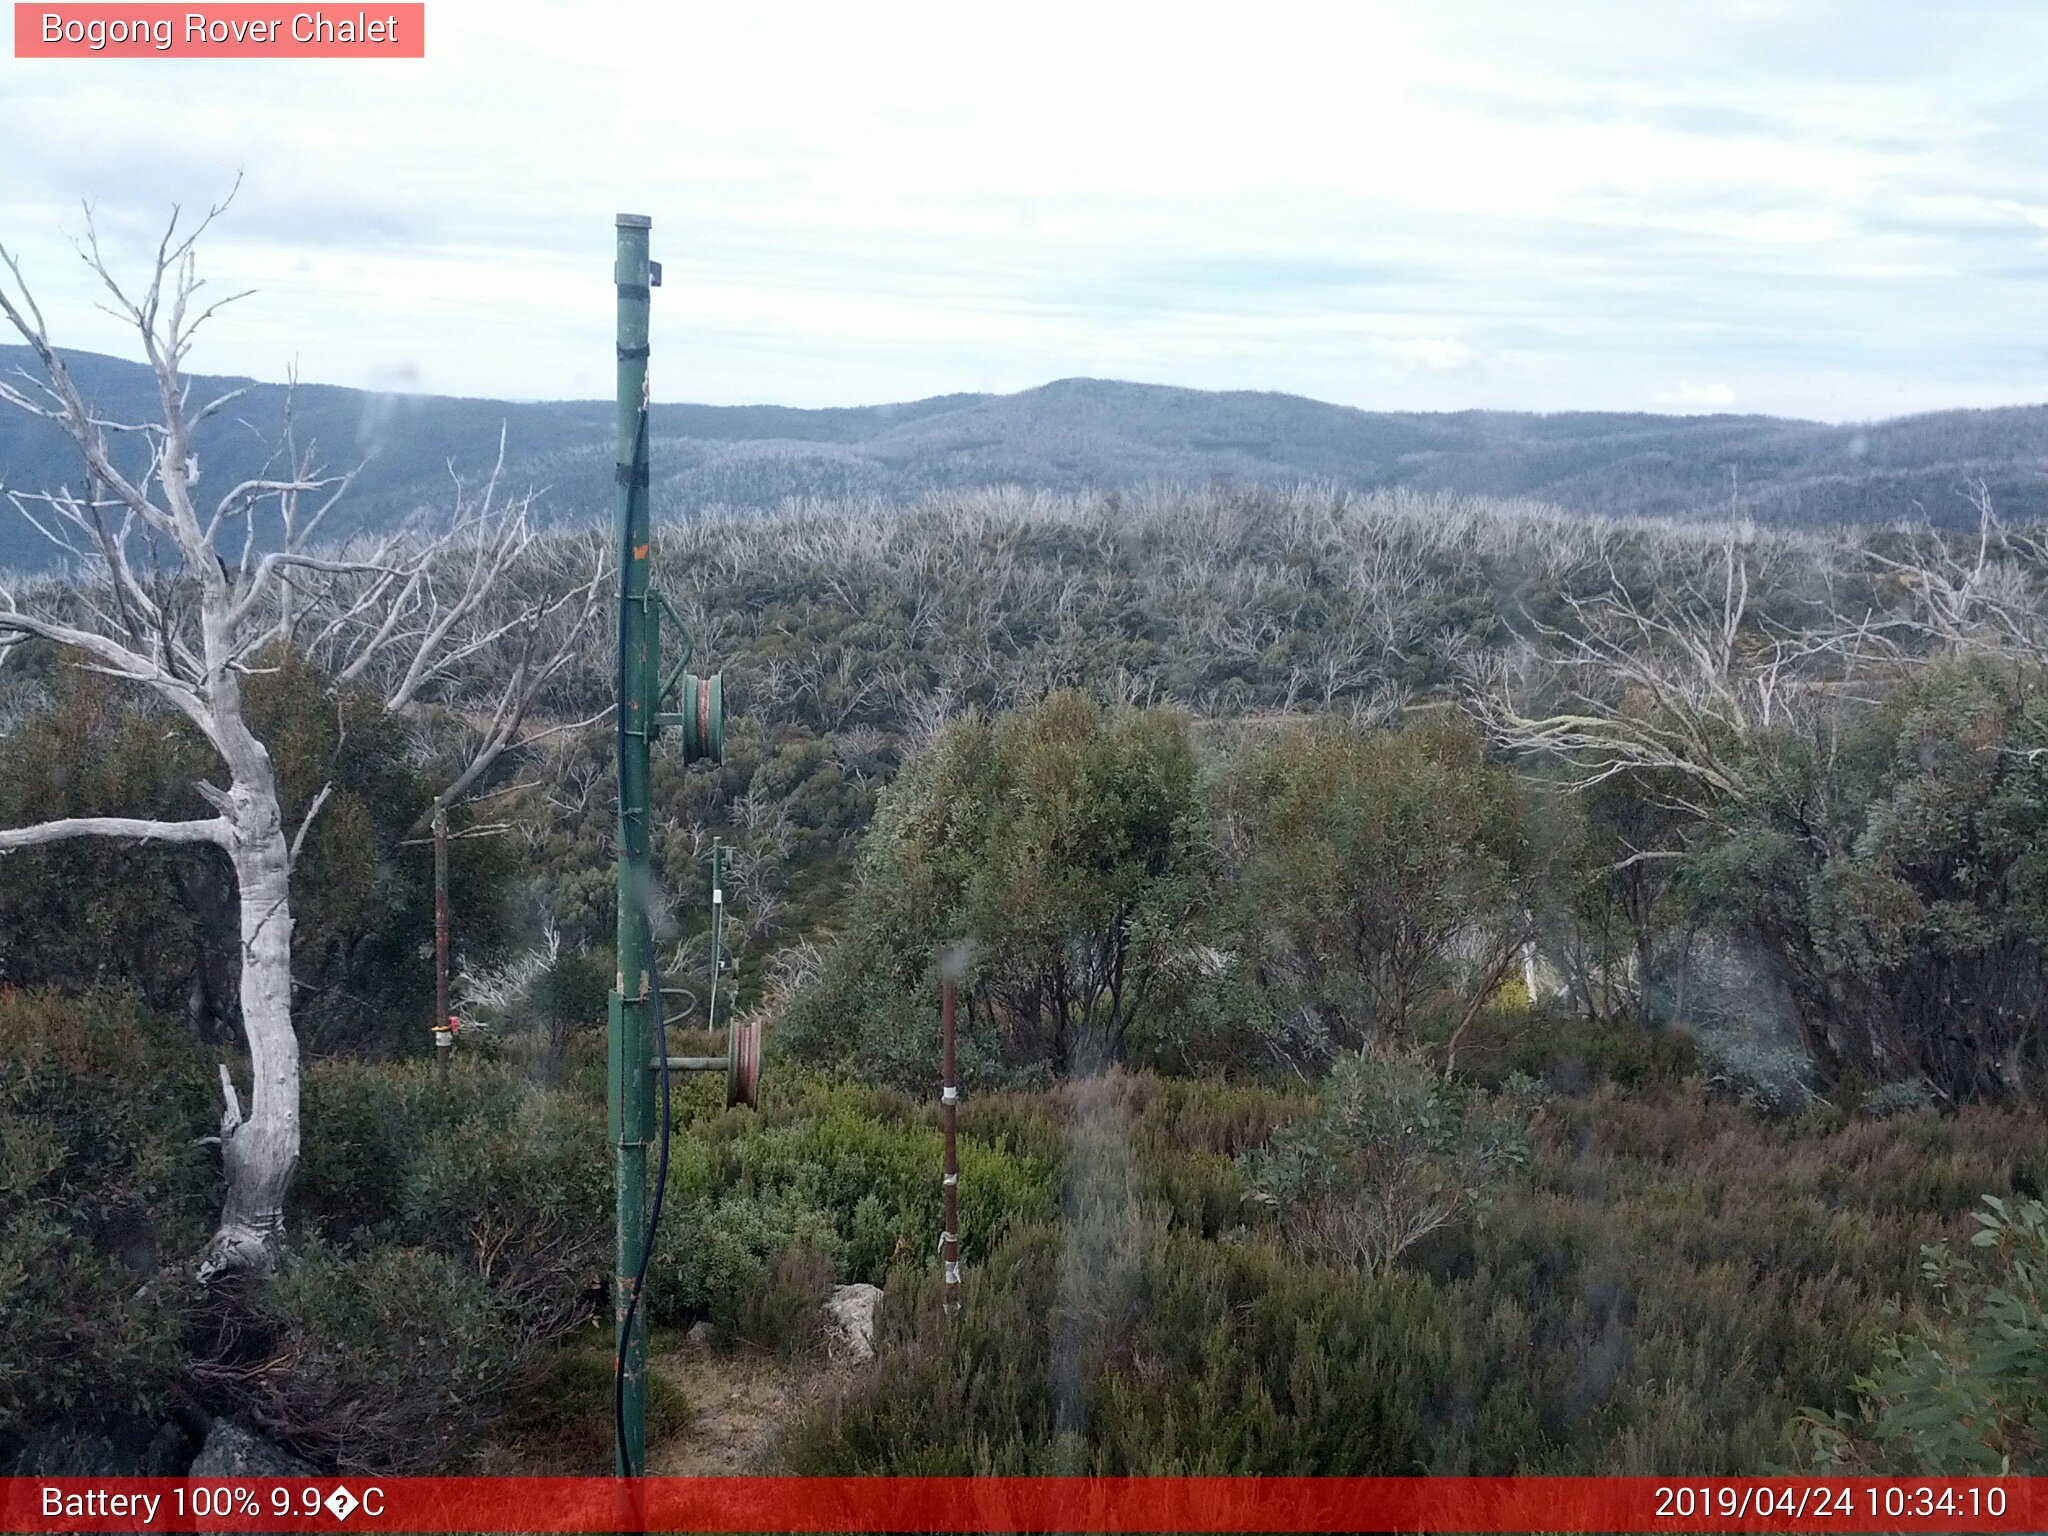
632	1080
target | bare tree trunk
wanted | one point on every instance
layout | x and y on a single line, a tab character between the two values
259	1153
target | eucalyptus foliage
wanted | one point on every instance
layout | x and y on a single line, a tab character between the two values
1393	1153
1058	855
1963	1389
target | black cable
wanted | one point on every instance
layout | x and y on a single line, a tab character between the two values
653	974
660	1189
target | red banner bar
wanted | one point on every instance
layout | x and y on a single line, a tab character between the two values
377	29
1024	1504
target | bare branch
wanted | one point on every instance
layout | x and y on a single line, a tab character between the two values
306	824
214	830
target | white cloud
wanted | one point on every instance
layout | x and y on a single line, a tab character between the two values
1691	395
1424	351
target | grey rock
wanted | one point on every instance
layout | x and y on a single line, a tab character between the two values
700	1335
231	1451
850	1321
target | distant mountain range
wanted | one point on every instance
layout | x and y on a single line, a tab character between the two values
1072	435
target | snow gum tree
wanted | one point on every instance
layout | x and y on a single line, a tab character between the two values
184	597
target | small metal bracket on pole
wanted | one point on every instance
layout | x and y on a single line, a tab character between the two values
444	1044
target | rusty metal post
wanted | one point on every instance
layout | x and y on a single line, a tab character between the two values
443	1038
949	1102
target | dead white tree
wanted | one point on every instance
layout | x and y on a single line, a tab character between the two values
185	600
1675	687
1970	595
466	634
187	631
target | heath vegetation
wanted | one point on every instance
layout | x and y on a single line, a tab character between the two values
1448	987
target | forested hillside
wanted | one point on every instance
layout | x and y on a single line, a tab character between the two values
1076	435
1455	987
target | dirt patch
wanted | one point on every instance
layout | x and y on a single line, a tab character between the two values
737	1404
710	1412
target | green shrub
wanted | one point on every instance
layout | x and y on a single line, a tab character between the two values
1900	1098
1219	1358
1770	1079
758	1265
1381	883
495	1193
1394	1153
395	1152
395	1360
485	1176
568	996
76	1339
832	1181
1064	842
1570	1052
1677	1278
1627	1054
102	1187
1889	868
1964	1390
520	1197
162	919
367	1124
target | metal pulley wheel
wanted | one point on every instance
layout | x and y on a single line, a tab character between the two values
743	1063
701	703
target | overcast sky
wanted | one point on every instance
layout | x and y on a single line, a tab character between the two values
1832	210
